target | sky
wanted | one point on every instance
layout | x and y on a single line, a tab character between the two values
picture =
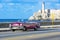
23	9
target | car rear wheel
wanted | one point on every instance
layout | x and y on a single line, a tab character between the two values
35	29
24	28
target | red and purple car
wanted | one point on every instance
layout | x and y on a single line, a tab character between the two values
24	26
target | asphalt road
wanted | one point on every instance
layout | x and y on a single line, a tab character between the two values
43	34
56	37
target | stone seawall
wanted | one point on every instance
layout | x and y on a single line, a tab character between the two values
6	25
49	23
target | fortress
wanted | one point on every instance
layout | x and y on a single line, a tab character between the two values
45	14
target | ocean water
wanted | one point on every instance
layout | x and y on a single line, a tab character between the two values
10	20
24	20
18	20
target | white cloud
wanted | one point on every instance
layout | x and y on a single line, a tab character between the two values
31	8
1	5
54	0
7	0
51	0
11	4
48	3
58	4
30	0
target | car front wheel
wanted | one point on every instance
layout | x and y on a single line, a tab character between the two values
13	30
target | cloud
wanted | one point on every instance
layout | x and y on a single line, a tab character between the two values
1	5
57	4
6	0
54	0
10	3
48	3
30	0
31	8
51	0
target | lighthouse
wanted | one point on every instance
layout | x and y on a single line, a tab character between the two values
44	15
43	7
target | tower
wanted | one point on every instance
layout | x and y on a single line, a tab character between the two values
44	14
43	8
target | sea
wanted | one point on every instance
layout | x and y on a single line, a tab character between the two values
12	20
18	20
24	20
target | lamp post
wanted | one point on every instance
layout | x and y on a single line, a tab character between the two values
52	17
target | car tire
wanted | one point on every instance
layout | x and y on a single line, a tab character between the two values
13	30
24	28
35	29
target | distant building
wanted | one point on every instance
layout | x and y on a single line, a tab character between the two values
46	14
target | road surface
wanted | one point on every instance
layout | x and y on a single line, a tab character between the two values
44	34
